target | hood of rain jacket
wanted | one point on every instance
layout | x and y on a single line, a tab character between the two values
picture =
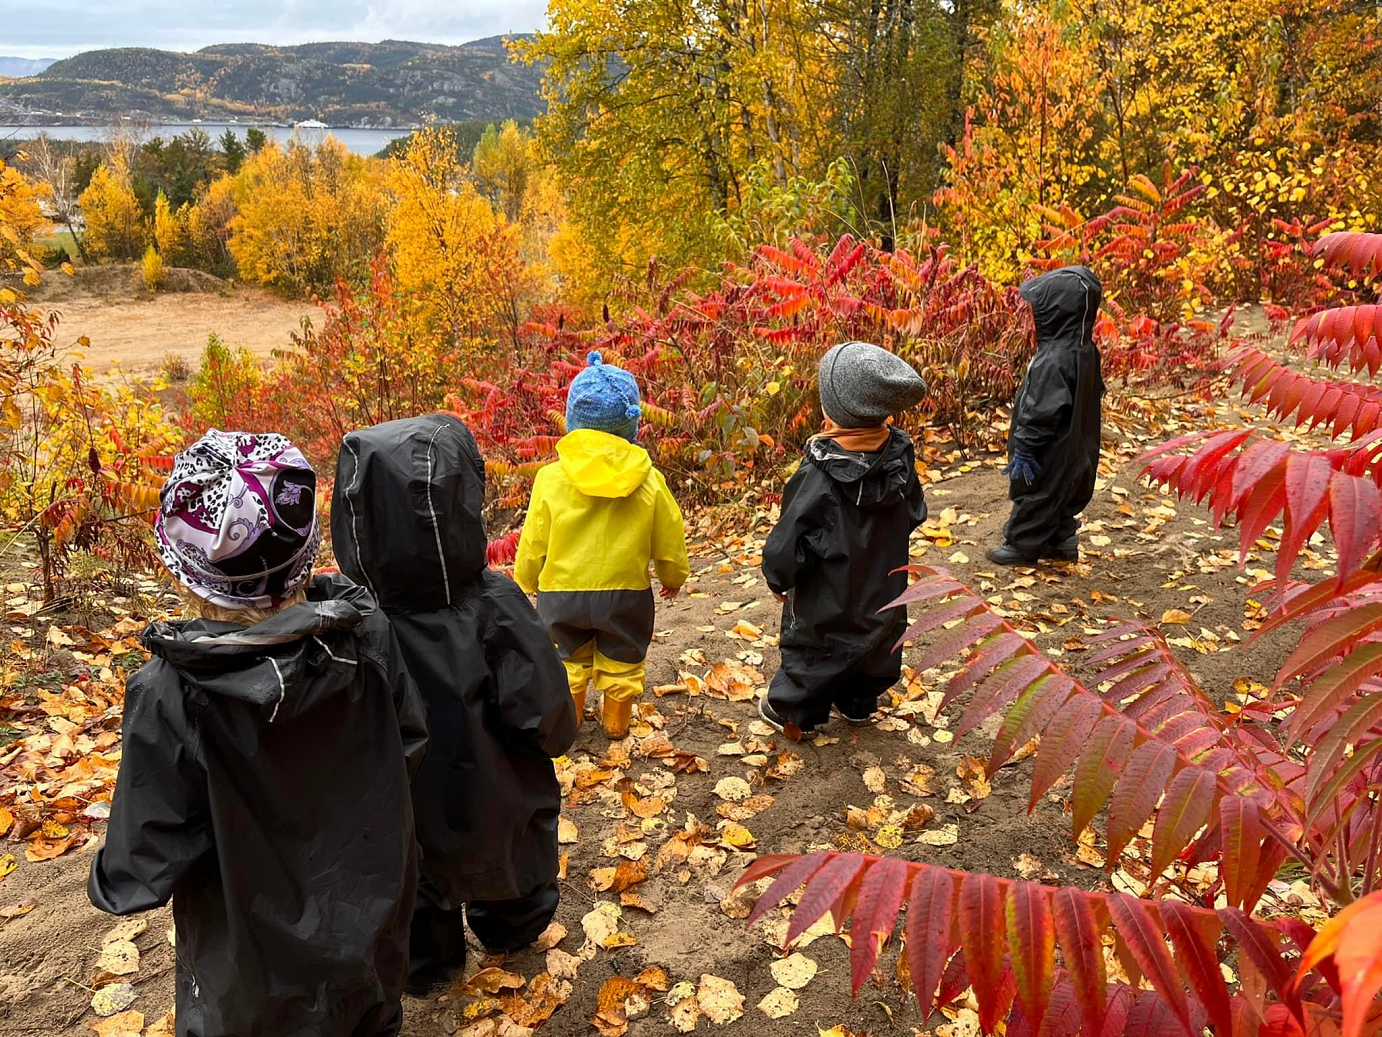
597	518
846	518
406	518
264	787
1058	411
603	465
419	475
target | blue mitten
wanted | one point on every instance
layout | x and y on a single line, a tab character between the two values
1023	466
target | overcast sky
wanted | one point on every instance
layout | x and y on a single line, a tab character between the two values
60	28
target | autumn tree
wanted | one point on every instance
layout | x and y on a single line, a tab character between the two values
116	227
450	248
304	217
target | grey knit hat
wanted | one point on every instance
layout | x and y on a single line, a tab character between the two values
862	385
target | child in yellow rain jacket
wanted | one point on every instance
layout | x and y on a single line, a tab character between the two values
596	520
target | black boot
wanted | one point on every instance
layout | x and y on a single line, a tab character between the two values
1067	550
1006	554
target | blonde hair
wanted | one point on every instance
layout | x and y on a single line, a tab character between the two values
200	608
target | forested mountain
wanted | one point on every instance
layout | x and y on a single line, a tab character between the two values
376	84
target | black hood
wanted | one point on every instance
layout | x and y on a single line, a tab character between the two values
406	515
1065	304
868	479
275	663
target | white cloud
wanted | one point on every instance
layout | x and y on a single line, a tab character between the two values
70	26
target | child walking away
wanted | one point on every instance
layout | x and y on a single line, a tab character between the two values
846	516
268	747
1053	445
406	522
595	521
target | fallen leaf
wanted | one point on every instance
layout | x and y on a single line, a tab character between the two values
778	1003
492	980
123	1023
7	864
719	999
128	930
551	936
946	835
115	997
794	971
626	874
1178	617
165	1027
737	836
6	819
119	958
562	965
888	836
733	789
567	833
18	910
683	1009
875	780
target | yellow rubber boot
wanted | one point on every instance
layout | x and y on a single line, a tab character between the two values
620	684
580	670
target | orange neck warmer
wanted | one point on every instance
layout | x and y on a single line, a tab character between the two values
857	440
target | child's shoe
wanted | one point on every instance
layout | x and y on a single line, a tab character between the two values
778	722
615	715
852	721
1006	554
1067	550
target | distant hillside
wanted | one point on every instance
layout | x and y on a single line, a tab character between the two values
343	84
23	66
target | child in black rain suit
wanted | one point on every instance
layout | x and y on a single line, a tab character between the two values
268	746
1053	444
847	514
406	522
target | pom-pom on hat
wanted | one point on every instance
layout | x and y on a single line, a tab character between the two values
605	398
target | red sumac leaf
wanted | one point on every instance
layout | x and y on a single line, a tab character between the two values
1098	769
798	872
982	934
1083	953
1140	786
1195	952
1144	940
1031	948
1061	743
930	903
880	898
1355	509
1186	808
825	887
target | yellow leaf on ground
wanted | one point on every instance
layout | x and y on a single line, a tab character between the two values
794	971
123	1023
737	836
778	1003
875	780
1178	617
128	930
719	999
113	998
119	958
734	789
567	832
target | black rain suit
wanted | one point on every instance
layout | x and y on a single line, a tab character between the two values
1057	415
846	518
406	522
264	787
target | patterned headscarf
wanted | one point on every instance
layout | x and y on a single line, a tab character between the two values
238	520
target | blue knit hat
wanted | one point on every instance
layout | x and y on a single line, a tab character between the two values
605	398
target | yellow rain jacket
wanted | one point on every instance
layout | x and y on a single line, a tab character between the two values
597	518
